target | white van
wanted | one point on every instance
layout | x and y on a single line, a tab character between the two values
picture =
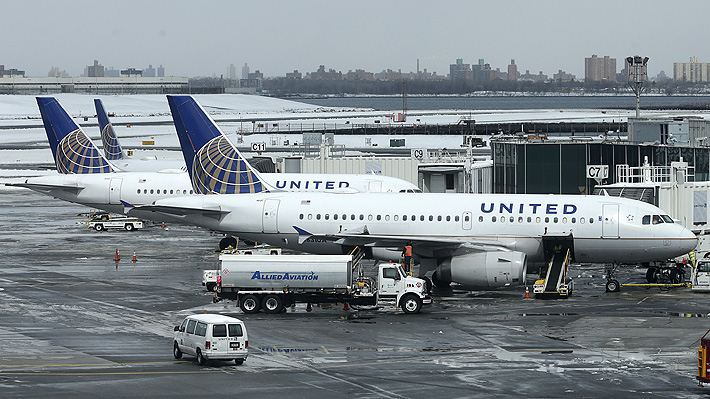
211	336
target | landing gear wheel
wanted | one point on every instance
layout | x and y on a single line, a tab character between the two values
438	283
201	359
677	276
411	304
177	353
652	275
227	242
613	286
99	227
272	304
249	304
129	227
238	362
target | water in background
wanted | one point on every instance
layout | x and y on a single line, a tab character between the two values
509	102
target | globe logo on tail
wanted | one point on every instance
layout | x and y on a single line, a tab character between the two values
76	154
111	146
219	169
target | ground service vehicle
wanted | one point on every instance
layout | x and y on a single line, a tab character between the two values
271	283
104	221
700	280
211	336
209	277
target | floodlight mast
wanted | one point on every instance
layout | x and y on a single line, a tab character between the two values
637	76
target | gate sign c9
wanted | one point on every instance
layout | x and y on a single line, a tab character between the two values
598	172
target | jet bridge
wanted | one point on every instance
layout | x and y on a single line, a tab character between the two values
553	281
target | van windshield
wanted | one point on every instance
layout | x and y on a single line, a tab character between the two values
235	330
219	330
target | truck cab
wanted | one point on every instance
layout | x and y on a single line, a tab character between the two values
408	292
701	276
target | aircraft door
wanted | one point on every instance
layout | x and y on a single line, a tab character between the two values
466	220
610	221
114	193
269	220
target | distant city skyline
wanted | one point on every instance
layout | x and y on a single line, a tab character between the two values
282	36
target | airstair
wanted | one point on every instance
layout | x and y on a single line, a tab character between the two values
554	284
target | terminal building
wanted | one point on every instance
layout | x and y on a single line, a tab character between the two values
127	84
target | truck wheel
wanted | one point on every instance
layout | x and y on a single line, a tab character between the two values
201	359
129	227
99	227
211	286
677	276
612	286
238	362
227	242
272	304
411	304
249	304
177	353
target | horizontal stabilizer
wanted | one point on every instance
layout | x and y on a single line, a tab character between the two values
44	187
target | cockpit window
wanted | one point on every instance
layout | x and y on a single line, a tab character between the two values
657	219
647	219
667	219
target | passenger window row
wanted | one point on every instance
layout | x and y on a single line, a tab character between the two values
440	218
164	191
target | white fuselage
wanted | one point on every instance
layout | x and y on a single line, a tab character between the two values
605	229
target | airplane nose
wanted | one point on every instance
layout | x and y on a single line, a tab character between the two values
688	240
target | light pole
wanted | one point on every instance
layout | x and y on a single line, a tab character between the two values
636	69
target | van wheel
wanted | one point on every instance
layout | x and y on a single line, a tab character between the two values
249	304
272	304
129	227
201	360
177	353
99	227
411	304
239	362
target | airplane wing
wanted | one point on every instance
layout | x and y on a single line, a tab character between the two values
47	187
173	210
422	245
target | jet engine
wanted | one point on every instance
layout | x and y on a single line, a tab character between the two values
483	270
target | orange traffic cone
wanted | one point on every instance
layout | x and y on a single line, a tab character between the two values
527	293
134	257
162	225
118	257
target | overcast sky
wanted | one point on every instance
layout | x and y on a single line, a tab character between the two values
202	37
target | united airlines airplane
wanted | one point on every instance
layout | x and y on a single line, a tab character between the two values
479	240
87	177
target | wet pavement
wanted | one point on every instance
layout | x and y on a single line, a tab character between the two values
73	323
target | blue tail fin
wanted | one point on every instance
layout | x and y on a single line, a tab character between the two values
73	152
214	164
112	149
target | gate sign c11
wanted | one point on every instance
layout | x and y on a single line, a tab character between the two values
258	147
598	172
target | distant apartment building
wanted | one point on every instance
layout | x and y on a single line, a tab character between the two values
131	72
12	73
294	75
94	71
599	69
527	76
161	71
149	72
692	71
245	71
512	71
460	71
232	71
360	74
322	74
54	72
563	77
392	75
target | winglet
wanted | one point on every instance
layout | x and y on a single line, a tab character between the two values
112	149
73	152
303	235
214	164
